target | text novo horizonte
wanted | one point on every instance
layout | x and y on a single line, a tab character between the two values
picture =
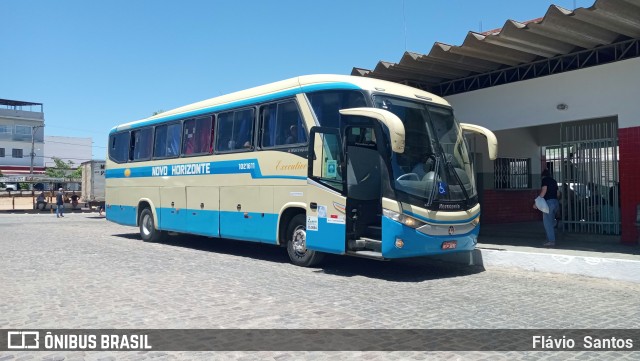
181	169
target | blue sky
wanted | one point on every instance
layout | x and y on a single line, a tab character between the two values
95	64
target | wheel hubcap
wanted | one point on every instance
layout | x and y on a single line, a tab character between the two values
300	241
147	224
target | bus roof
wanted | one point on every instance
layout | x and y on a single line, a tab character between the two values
281	89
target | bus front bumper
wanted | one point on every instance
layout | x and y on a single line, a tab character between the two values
400	241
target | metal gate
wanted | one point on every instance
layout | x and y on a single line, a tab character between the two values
586	168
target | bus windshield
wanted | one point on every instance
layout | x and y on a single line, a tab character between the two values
434	171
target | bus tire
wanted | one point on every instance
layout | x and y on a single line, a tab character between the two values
296	244
148	231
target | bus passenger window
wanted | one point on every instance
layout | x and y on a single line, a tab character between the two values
160	146
268	123
174	133
189	137
282	125
197	136
235	131
119	147
167	140
141	142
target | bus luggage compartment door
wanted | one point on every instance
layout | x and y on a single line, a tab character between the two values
203	205
173	212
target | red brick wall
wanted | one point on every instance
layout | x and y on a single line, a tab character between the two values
508	206
629	142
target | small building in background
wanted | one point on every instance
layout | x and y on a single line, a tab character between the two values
21	125
75	149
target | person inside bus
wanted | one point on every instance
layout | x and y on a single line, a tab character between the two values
293	135
425	165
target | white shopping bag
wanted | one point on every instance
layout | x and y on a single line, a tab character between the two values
541	204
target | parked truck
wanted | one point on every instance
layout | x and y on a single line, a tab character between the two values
93	183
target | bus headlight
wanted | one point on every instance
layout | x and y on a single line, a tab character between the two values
404	219
476	221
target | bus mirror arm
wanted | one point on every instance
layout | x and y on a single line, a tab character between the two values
492	141
390	120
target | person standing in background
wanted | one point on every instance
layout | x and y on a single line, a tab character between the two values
59	203
549	192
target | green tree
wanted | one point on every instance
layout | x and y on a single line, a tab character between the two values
63	170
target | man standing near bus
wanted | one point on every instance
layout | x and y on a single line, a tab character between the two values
59	203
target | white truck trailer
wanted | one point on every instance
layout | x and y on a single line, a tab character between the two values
93	183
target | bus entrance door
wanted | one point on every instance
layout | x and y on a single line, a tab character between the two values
364	170
326	204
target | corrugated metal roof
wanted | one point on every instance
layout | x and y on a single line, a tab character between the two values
559	32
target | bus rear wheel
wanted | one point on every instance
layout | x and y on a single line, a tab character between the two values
148	231
297	244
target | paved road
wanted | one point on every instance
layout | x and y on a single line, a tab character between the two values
85	272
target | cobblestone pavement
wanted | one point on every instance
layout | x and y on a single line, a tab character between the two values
84	272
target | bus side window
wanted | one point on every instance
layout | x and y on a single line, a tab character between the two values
235	131
119	147
282	125
141	142
174	133
189	137
268	125
197	136
244	129
160	146
225	129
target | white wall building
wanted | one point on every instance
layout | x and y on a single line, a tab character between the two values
560	92
20	124
74	149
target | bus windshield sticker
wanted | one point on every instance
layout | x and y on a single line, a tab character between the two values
442	188
332	166
312	223
336	219
322	211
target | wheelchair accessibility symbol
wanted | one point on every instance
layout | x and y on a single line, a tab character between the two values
442	188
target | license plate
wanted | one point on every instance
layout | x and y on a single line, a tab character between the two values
449	244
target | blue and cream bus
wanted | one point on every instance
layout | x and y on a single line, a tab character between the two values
317	164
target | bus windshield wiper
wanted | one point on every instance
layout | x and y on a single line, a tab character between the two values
455	174
434	185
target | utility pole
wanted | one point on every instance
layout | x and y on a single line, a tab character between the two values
33	145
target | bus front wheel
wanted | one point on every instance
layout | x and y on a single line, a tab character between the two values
297	244
148	231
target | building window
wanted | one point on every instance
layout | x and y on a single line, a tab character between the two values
1	152
512	173
5	129
23	130
16	153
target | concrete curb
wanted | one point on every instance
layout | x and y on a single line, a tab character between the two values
610	268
